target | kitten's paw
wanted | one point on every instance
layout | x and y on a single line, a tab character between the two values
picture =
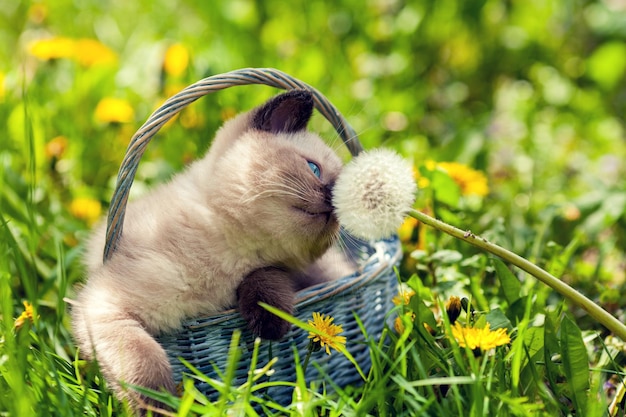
268	326
272	286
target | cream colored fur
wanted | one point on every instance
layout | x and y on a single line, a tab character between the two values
187	245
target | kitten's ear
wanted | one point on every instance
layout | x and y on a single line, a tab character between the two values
288	112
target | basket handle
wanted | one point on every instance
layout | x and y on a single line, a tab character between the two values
139	141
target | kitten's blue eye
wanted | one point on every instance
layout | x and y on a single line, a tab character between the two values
315	169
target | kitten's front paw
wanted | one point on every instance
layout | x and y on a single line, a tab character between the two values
268	326
272	286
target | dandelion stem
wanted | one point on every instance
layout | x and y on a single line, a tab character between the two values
594	310
306	359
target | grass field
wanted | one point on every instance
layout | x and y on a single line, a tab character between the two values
512	114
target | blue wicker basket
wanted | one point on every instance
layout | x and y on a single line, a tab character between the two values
204	342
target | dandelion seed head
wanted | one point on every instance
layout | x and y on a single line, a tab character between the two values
373	194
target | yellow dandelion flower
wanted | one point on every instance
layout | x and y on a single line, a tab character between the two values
326	332
470	181
483	339
27	315
52	48
114	110
176	60
398	323
86	209
56	147
90	52
404	295
453	308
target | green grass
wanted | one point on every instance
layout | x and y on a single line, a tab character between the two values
531	94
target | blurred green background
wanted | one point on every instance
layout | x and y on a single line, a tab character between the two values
532	93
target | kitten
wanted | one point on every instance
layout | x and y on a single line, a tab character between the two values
251	221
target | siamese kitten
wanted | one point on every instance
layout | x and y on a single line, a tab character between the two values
251	221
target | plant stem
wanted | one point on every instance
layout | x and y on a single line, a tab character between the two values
306	359
594	310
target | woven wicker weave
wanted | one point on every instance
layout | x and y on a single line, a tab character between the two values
204	342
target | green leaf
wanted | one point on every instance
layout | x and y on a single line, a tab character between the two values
445	189
498	320
510	284
423	314
517	310
575	364
423	292
534	341
551	347
446	257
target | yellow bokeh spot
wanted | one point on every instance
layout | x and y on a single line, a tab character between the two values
173	89
571	213
430	165
190	118
87	209
423	182
90	52
2	87
87	52
114	110
52	48
176	60
56	147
